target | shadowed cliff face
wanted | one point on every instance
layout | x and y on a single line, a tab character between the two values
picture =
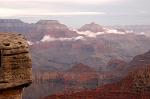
15	93
140	61
135	85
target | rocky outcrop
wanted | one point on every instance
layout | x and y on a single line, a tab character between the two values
14	26
15	65
93	27
140	80
51	24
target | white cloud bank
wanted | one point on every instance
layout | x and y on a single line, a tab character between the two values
114	31
89	33
48	38
94	35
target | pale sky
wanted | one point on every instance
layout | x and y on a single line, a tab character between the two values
78	12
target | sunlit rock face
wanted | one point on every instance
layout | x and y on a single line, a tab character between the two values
15	65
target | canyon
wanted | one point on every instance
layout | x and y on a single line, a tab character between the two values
135	85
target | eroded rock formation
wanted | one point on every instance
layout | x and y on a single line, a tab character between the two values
15	65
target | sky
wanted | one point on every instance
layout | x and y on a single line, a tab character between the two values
78	12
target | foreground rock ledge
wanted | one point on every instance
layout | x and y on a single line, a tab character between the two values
15	65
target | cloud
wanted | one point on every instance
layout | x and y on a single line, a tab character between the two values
95	34
48	38
63	13
114	31
144	12
65	1
89	33
7	12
